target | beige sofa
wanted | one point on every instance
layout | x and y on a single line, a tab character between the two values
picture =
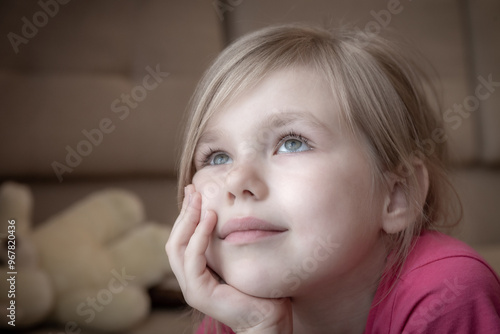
94	93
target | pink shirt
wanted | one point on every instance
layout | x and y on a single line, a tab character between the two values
444	287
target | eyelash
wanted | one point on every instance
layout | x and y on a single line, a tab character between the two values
207	155
290	135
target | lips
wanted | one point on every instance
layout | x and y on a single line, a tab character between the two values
248	229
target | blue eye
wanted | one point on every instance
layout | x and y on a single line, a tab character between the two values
220	159
293	144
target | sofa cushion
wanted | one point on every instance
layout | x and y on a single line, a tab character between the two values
102	87
485	26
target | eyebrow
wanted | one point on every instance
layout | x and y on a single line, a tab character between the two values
208	136
277	120
287	117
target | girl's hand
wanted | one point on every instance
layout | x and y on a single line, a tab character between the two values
186	252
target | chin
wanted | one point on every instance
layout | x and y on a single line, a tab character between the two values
256	284
249	277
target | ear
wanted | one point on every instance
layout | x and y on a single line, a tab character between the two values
405	197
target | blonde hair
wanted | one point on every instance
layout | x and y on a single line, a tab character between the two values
383	95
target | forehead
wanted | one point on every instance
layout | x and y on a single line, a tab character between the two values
281	97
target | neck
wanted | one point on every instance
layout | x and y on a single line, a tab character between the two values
340	305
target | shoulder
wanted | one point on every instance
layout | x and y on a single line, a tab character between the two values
445	286
436	256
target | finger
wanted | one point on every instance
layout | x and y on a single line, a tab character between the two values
186	224
185	202
188	192
179	238
199	283
195	260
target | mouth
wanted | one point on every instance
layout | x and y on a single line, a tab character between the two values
248	230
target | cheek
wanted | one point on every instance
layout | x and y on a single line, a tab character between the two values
345	203
209	186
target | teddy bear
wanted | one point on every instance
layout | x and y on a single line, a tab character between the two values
86	267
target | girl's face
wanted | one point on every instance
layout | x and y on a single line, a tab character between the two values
291	188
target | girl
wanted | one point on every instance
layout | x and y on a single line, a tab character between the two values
308	203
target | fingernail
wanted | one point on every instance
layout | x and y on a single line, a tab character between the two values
190	197
205	214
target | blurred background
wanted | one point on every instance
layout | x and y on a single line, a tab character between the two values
93	97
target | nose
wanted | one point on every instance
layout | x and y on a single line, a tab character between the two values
245	181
